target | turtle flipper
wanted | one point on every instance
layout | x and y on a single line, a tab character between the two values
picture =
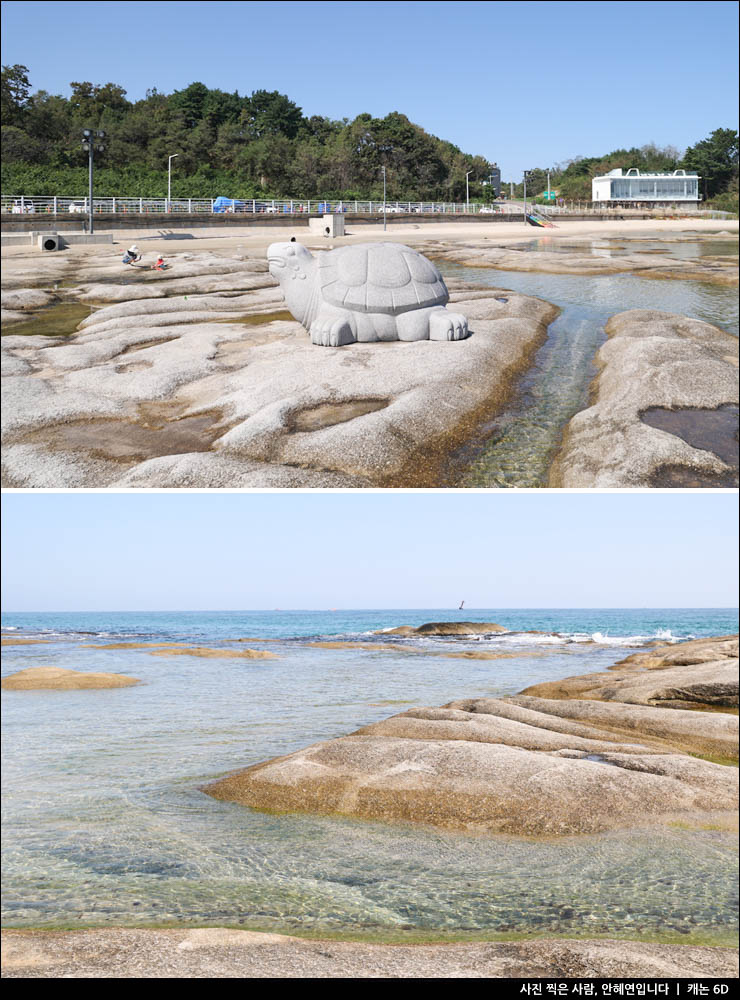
446	325
331	331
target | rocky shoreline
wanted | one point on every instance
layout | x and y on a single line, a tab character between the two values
531	765
198	377
203	380
223	953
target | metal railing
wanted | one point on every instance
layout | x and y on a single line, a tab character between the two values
56	205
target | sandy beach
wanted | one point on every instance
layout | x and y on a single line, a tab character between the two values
260	237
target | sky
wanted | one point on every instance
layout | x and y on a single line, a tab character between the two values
524	84
257	551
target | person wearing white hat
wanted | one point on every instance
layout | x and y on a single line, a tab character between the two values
132	255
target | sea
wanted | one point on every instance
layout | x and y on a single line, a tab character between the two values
106	821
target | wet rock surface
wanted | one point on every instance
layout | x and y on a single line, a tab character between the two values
656	363
221	953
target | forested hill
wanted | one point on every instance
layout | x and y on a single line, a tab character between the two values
262	145
256	146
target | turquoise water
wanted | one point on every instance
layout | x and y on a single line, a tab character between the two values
105	822
518	446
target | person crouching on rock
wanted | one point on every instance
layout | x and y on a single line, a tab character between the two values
132	255
160	265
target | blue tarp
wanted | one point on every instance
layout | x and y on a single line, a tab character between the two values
221	204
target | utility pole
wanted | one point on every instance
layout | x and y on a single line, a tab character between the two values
89	138
169	179
384	226
467	191
526	174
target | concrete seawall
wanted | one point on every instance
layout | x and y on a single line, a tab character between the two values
184	220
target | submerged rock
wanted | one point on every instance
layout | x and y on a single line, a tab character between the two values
56	679
176	649
10	641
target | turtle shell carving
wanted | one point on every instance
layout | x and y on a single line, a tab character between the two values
380	278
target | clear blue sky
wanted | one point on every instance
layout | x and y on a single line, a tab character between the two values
524	84
503	549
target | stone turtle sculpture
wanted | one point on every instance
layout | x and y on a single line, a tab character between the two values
368	292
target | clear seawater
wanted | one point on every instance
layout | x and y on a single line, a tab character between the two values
105	821
517	448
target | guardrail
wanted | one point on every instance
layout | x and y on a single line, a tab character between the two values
55	205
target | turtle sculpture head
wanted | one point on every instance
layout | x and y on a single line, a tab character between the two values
295	268
366	292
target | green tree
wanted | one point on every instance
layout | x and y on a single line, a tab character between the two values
715	159
271	113
14	93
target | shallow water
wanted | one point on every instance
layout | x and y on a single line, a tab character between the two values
517	448
105	821
59	320
616	247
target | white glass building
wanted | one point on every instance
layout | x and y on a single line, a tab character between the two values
636	188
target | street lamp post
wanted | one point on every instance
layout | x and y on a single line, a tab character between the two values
89	139
467	191
383	169
526	175
169	179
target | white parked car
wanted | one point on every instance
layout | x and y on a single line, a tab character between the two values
391	208
78	207
487	210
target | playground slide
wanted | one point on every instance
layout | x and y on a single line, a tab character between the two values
537	220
